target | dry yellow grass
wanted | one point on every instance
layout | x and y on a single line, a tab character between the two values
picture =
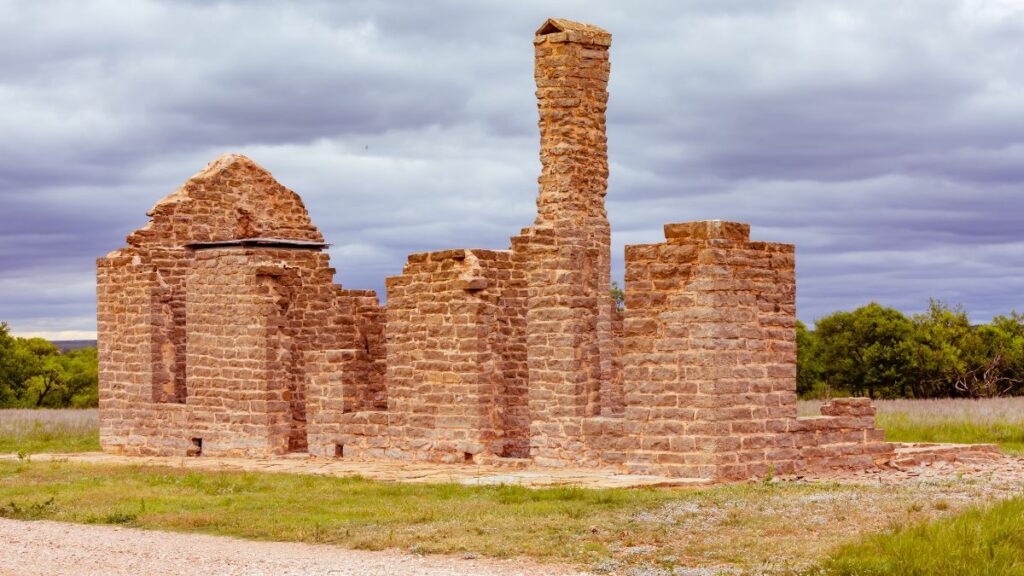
33	431
988	421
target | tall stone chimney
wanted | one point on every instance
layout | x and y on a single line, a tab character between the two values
571	70
566	253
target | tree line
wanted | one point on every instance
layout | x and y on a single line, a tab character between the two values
879	352
34	373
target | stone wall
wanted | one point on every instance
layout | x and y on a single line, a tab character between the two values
454	387
204	330
130	421
843	437
710	362
710	351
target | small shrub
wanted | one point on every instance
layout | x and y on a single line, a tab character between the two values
33	511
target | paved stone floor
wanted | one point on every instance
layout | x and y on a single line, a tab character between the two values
909	462
389	470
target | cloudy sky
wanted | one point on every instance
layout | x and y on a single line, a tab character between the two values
884	138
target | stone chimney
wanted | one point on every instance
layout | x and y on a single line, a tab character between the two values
566	254
571	70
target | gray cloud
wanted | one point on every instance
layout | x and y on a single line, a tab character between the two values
884	139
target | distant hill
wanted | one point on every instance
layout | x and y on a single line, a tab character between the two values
66	345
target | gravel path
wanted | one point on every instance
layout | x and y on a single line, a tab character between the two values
44	548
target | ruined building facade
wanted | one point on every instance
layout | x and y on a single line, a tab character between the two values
221	331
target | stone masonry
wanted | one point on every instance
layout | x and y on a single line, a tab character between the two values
221	331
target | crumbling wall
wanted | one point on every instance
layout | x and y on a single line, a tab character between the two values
253	314
511	337
231	198
450	378
844	436
710	362
613	401
206	319
710	354
239	393
130	422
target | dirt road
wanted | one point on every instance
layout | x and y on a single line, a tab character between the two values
43	548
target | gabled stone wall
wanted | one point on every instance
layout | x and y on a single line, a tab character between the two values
207	317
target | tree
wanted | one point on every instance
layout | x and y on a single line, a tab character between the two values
808	372
34	373
954	358
1008	344
937	352
23	359
865	351
618	296
81	387
7	388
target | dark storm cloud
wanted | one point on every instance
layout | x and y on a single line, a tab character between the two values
884	139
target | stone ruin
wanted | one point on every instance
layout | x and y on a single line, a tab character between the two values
221	331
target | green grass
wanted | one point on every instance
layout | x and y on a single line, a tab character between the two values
734	525
34	431
979	542
739	526
498	521
746	527
902	427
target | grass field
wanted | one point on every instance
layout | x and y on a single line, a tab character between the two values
768	527
983	541
34	431
991	421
